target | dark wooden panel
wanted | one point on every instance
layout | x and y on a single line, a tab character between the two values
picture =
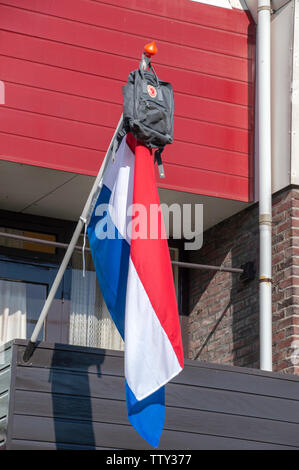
74	396
61	381
199	398
248	381
70	347
74	432
195	373
204	443
178	419
232	426
175	440
226	401
22	444
124	437
64	406
76	359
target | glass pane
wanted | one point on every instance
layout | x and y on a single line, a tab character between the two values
90	322
20	306
36	295
10	242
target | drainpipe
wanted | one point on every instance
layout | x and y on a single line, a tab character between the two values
265	189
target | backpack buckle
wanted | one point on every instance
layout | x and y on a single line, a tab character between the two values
158	159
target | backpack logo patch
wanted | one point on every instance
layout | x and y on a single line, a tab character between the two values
152	91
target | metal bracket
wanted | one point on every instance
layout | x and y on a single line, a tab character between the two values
265	219
249	271
265	279
28	351
267	8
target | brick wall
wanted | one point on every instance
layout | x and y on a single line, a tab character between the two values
223	324
285	238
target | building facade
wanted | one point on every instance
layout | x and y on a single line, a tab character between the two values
62	69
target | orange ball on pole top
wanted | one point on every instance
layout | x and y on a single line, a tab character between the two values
150	49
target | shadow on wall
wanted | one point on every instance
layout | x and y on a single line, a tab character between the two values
72	398
223	324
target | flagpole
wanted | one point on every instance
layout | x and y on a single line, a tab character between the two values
82	220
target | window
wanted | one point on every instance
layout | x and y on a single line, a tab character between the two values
23	244
20	306
27	271
78	314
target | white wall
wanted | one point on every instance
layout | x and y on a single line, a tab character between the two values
282	36
295	101
284	93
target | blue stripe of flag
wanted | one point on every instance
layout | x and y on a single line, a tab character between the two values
111	261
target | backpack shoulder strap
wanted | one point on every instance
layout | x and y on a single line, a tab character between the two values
118	139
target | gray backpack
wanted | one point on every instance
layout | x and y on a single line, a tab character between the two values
148	109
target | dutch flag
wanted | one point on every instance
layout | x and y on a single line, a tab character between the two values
135	276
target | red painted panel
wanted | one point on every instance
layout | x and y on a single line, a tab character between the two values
63	157
211	183
194	13
167	28
97	137
62	80
189	12
63	69
48	154
229	138
208	110
93	86
210	158
62	105
54	130
98	40
107	113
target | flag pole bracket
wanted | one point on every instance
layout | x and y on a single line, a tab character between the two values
28	351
